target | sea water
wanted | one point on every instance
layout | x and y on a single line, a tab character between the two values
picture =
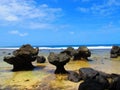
43	77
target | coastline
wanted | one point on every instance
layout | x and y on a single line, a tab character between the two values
99	46
43	77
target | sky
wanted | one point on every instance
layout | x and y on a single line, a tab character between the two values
59	22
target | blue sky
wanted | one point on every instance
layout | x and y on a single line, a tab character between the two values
59	22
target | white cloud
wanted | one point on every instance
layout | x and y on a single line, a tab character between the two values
23	34
15	32
83	9
48	26
106	8
11	18
40	25
23	11
113	2
72	32
109	28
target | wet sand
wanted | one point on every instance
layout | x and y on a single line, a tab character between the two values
43	77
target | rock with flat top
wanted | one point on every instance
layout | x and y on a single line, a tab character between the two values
41	59
69	51
22	58
59	60
115	52
82	53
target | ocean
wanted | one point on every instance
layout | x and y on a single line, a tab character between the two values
94	46
43	77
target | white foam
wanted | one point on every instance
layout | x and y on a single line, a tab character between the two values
52	47
89	47
100	47
9	48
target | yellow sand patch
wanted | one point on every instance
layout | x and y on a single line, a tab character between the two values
44	78
24	79
76	65
58	82
118	58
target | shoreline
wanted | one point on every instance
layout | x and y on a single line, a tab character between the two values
58	48
43	75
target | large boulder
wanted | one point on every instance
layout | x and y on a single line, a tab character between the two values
94	78
90	84
115	84
82	53
88	73
40	59
22	58
69	51
115	52
74	76
59	60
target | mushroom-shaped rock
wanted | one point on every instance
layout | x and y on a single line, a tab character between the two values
27	50
115	52
22	58
59	60
82	52
69	51
40	59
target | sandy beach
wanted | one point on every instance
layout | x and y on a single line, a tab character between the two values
43	77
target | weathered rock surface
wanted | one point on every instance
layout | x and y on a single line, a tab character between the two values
82	52
74	76
92	79
115	52
69	51
115	84
59	60
22	58
89	73
91	84
40	59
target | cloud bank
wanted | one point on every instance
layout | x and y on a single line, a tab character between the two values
26	12
16	32
105	8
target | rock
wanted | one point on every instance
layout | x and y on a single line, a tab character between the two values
9	53
91	84
104	81
22	58
82	52
26	50
113	75
115	84
115	52
40	59
88	73
74	77
59	60
105	75
69	51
